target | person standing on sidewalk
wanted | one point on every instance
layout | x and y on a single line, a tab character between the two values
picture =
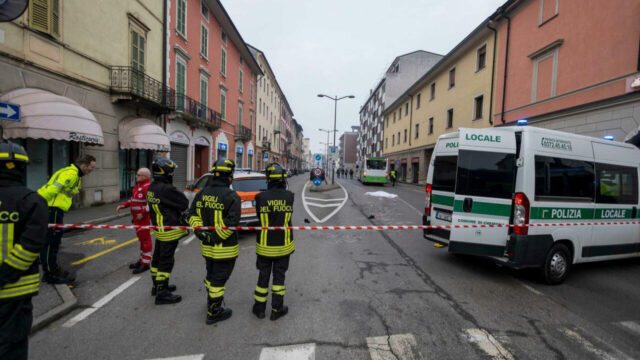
166	205
217	205
23	229
140	213
392	175
273	247
59	192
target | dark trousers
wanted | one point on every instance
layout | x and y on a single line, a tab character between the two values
49	254
163	259
15	324
279	266
218	272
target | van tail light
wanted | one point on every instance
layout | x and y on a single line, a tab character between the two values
521	209
427	205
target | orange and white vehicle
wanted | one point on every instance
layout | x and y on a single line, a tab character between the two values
246	183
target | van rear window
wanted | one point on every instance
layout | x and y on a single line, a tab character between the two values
487	174
444	173
566	178
616	184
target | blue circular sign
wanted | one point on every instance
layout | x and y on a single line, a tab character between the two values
318	157
317	181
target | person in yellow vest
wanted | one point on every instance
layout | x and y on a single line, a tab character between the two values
59	192
23	229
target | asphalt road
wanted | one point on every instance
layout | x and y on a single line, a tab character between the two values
352	295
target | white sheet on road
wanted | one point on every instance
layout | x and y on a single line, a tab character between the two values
382	194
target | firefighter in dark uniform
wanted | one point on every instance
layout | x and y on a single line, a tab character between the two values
23	234
166	205
217	205
274	247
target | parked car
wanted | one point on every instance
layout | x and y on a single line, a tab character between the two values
246	183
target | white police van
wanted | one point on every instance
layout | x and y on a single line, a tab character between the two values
519	176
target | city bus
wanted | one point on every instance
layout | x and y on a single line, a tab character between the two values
375	171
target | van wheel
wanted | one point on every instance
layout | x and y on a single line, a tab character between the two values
557	265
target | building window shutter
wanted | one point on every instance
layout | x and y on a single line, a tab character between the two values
55	17
39	15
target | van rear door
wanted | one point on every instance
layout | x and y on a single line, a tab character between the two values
443	181
485	184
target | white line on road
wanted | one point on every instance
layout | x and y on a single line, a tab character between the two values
304	204
289	352
323	205
393	347
532	289
487	343
589	346
325	200
186	357
631	325
100	303
189	239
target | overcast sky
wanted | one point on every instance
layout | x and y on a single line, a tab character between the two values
343	47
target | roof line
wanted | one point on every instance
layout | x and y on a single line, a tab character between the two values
274	75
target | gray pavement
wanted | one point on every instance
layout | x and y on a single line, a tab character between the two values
352	295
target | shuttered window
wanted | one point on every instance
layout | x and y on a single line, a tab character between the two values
44	16
181	26
137	51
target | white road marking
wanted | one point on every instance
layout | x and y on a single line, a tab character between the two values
487	343
393	347
186	357
189	239
532	289
590	347
631	325
304	204
325	200
323	205
290	352
100	303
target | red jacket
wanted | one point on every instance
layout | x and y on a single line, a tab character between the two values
138	201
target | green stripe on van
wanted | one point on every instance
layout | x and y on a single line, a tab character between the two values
485	208
442	200
552	213
613	214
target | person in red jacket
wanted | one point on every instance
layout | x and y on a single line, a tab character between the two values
140	213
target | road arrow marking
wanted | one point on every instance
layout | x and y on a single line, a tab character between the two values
97	241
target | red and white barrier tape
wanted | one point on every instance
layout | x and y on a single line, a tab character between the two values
365	227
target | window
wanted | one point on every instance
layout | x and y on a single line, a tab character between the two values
386	143
251	120
204	10
204	91
405	135
477	107
223	62
398	137
449	118
181	24
406	108
430	125
486	174
181	82
393	140
417	131
452	78
548	10
545	74
564	178
223	104
481	58
204	41
251	89
616	184
44	16
399	113
137	51
433	91
240	81
418	101
444	173
224	37
394	117
240	114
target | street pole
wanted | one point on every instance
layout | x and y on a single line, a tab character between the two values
335	116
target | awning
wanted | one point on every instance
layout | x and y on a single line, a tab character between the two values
45	115
144	134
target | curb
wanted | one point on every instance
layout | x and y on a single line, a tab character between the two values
69	302
99	221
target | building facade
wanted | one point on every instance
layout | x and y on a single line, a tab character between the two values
348	149
403	72
78	95
455	92
306	153
560	78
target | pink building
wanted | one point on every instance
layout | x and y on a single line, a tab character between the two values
214	75
569	65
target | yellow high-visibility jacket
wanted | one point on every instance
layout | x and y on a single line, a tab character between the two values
60	189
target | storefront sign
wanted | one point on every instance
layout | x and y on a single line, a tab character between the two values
239	150
179	137
265	156
250	151
403	161
222	146
202	141
415	160
73	136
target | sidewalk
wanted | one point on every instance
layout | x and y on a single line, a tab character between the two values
54	301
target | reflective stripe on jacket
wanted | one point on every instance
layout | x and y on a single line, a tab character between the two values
166	205
275	208
60	189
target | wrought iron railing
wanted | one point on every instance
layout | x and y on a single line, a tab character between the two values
196	110
127	80
276	129
243	133
266	144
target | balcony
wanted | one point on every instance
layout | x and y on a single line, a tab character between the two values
129	84
266	144
243	133
196	113
276	129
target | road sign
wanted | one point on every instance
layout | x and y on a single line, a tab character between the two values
317	181
9	111
318	157
317	172
265	156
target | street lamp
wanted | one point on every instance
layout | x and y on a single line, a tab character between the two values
327	148
335	116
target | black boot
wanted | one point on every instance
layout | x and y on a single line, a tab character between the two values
140	268
134	265
171	288
215	312
278	313
259	308
164	296
58	276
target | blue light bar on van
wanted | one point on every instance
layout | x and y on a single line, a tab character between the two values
522	122
608	137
